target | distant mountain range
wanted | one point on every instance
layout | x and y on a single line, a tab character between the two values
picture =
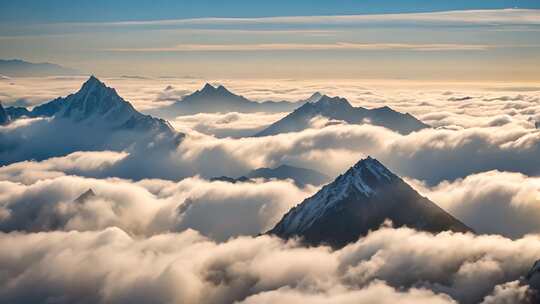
94	118
361	200
21	68
300	176
211	99
339	109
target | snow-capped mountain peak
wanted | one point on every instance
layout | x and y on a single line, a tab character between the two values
364	178
373	168
96	99
360	200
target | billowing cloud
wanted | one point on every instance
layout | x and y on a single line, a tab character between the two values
230	124
392	265
491	202
432	155
217	209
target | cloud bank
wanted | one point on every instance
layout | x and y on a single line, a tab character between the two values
110	266
217	209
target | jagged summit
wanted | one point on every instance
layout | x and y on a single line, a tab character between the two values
361	200
96	99
210	90
95	104
218	99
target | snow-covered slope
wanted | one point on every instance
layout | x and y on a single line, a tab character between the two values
93	119
95	104
360	200
337	108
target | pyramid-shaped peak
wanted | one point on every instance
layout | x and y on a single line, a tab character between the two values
374	167
208	87
93	80
359	201
92	84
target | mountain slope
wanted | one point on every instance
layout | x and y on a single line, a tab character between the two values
20	68
336	108
532	279
93	119
300	176
97	104
360	200
212	99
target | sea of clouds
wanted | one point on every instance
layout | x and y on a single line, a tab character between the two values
158	230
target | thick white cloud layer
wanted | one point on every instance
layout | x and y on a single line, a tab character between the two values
67	251
388	266
492	126
217	209
231	124
432	155
491	202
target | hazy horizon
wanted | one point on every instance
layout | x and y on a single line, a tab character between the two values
471	41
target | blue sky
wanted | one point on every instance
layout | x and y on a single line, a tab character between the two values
435	40
23	11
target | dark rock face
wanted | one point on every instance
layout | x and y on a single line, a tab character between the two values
340	109
4	116
533	280
361	200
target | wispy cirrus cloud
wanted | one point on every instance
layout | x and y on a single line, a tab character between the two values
472	17
311	47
